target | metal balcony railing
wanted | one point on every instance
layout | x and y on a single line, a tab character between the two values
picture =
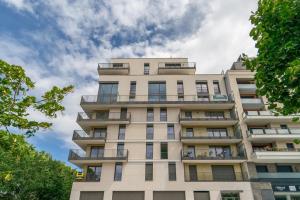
111	116
82	135
224	135
108	99
113	65
209	176
247	86
182	117
251	101
106	154
177	65
278	175
207	155
273	131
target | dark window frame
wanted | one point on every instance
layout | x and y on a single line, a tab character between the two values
172	171
148	171
171	134
118	174
164	155
163	114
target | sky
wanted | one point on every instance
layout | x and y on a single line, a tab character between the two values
60	42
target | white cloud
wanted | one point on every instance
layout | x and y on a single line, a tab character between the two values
212	33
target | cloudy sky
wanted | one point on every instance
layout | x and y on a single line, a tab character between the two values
60	42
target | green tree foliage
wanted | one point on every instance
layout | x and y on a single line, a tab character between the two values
276	32
28	174
15	100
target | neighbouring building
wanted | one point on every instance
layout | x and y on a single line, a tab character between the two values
158	131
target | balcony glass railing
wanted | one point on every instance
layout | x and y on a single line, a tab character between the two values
105	154
82	135
251	101
158	98
224	135
111	116
247	86
273	131
183	117
278	175
113	65
275	149
207	155
176	65
209	176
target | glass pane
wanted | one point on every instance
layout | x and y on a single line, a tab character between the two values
149	151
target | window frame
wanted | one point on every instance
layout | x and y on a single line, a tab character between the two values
172	174
118	174
148	171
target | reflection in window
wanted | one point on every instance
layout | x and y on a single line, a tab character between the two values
108	92
157	91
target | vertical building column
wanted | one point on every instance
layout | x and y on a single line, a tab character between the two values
107	195
148	195
189	195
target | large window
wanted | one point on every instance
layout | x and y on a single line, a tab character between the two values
149	150
171	132
108	92
122	129
180	90
216	87
93	173
149	132
172	171
157	91
164	150
219	151
189	132
132	92
230	196
120	149
97	152
163	114
201	87
217	132
214	115
261	169
99	132
149	172
118	172
150	115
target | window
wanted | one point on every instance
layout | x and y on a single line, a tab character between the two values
118	172
171	134
189	132
149	132
201	195
290	146
172	65
215	115
146	68
117	65
188	114
217	132
283	126
261	169
193	173
120	149
149	171
99	132
219	151
97	152
132	92
157	91
180	90
172	171
150	115
123	115
163	114
122	129
93	173
230	196
149	150
216	87
103	115
201	87
284	168
163	150
108	92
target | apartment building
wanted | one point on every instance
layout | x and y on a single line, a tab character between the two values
156	130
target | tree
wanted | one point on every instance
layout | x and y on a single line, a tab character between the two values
24	172
277	64
15	100
28	174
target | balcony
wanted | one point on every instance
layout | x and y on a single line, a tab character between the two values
252	103
247	88
274	134
187	138
204	156
82	139
92	102
113	68
265	117
218	121
80	158
87	120
276	155
209	176
181	68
